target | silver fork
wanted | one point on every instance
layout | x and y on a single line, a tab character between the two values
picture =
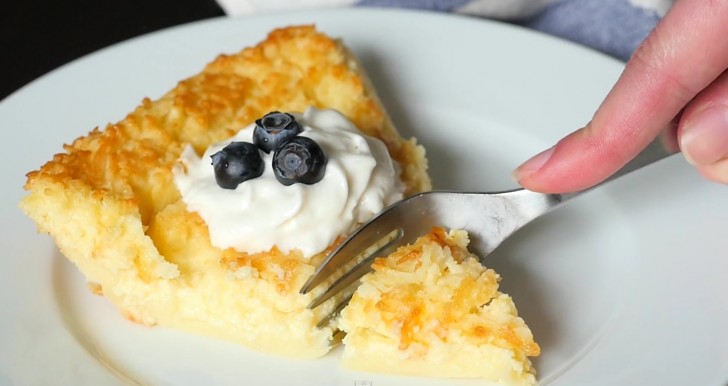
489	218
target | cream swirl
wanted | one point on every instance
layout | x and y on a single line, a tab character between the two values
360	180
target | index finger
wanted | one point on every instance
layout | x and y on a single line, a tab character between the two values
684	54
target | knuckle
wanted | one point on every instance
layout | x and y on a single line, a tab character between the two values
658	58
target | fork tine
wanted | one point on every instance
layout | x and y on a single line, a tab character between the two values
359	270
354	245
337	337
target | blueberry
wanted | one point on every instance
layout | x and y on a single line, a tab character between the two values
237	162
274	129
300	159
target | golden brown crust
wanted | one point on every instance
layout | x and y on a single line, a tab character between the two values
406	305
430	308
294	68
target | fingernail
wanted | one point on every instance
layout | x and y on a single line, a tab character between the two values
705	136
533	164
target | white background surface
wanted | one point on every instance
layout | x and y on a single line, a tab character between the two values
626	285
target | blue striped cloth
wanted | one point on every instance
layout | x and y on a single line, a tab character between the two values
615	27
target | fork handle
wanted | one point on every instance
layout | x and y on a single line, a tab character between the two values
662	147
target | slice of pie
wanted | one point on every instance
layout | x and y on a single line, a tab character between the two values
111	205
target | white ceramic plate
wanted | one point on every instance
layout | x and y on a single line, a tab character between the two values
626	285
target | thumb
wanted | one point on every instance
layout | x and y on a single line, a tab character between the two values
703	131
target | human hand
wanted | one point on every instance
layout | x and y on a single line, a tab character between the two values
677	79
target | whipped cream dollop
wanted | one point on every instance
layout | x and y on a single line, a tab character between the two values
360	180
